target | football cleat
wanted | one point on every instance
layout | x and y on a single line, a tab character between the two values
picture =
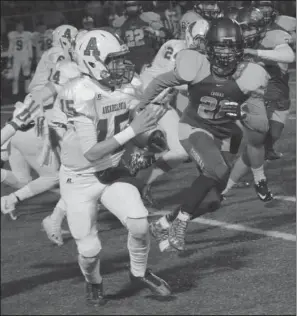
262	191
161	235
157	285
53	231
177	231
272	155
94	294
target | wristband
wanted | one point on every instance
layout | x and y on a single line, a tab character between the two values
124	136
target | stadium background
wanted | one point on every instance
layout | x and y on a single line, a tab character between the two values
55	13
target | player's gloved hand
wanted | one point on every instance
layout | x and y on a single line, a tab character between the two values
157	142
145	120
24	115
139	160
232	110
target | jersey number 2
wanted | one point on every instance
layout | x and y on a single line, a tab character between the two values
134	37
209	108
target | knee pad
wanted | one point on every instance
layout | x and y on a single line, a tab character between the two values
89	246
138	227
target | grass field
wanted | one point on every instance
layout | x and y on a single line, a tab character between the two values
240	260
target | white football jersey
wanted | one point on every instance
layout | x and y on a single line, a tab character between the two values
45	67
42	42
63	72
164	61
94	114
20	45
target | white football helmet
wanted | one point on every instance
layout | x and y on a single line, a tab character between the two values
195	35
64	36
102	55
77	39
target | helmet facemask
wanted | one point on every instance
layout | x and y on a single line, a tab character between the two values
119	70
224	56
208	9
268	10
252	34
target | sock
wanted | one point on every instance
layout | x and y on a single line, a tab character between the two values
58	214
90	268
138	249
229	186
258	174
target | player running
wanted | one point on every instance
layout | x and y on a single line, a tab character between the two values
219	86
276	61
97	109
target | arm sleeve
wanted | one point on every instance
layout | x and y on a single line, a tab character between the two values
282	53
167	80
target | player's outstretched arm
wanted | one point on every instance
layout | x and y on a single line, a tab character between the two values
143	122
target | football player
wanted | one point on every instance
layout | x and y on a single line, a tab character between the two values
25	147
97	109
20	56
141	34
219	86
207	10
42	40
162	63
276	53
276	60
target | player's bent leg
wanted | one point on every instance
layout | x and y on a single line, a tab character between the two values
80	194
124	201
204	150
277	120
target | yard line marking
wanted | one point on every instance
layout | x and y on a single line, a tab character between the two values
286	198
237	227
6	112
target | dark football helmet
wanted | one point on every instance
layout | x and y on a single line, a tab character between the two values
268	8
252	23
132	8
224	46
209	10
231	13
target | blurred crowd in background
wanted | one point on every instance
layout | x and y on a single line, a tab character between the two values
103	13
95	14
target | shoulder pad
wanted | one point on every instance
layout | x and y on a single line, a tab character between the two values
187	64
56	54
78	91
251	77
274	38
68	69
150	17
288	23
